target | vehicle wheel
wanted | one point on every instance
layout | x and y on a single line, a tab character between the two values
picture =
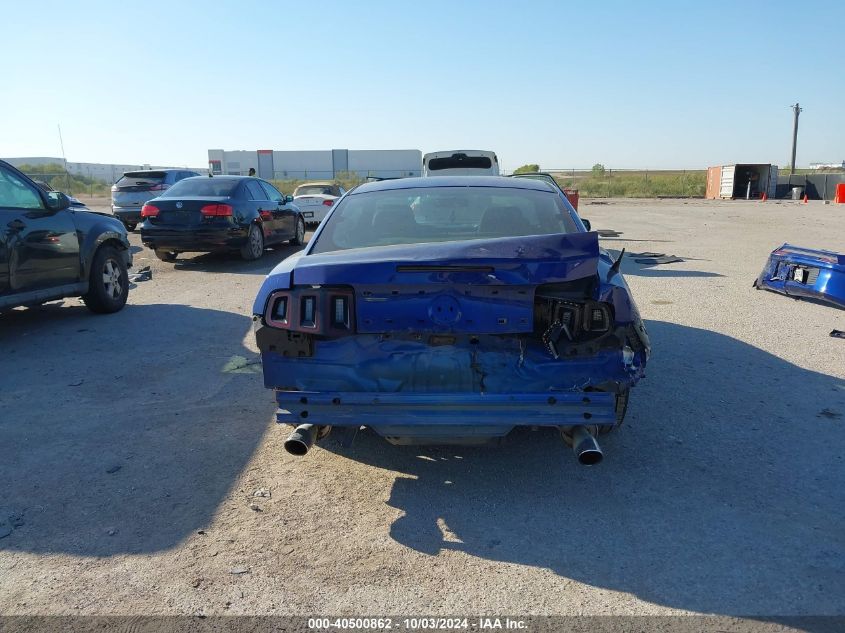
621	410
108	282
254	247
130	226
299	236
166	256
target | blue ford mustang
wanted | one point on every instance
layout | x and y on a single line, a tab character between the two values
450	310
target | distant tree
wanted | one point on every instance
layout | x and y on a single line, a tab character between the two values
527	169
598	169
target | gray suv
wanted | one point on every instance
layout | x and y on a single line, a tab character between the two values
135	188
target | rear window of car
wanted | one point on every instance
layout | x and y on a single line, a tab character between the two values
441	214
460	161
316	190
202	186
142	178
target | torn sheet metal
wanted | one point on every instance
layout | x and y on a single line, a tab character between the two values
805	273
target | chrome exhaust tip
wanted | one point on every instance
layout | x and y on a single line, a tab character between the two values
585	446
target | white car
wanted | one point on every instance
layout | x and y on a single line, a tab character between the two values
315	199
461	162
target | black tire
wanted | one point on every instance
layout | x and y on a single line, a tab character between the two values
166	256
130	226
298	238
621	410
108	282
254	247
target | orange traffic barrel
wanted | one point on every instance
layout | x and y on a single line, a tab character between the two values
840	193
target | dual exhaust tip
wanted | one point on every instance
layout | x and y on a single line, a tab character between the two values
584	444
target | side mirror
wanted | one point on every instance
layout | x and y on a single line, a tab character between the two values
57	201
288	199
587	224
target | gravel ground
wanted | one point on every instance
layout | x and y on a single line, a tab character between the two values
133	445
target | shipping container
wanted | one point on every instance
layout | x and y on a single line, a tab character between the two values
741	180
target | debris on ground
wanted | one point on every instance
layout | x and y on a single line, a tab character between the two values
196	582
665	259
262	492
255	507
837	334
238	570
608	233
242	365
143	274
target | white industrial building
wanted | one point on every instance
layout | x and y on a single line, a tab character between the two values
317	165
105	172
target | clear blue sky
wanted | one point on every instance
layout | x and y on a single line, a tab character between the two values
627	84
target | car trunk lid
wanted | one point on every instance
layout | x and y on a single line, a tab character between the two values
183	211
484	286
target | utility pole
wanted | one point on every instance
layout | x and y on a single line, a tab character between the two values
62	145
797	110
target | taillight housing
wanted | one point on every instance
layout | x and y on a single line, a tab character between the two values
159	187
216	210
328	203
560	320
327	311
149	211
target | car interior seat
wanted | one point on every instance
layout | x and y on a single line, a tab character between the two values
394	219
503	221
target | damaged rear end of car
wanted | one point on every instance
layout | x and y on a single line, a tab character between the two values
805	273
453	342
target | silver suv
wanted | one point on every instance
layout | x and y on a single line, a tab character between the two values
135	188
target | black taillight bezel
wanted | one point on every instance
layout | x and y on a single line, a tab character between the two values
312	310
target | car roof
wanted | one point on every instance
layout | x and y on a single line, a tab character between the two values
223	177
501	182
163	169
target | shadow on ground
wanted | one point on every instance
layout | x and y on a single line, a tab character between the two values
224	262
115	440
723	493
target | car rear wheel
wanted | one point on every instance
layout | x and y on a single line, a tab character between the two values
108	282
166	256
254	247
299	236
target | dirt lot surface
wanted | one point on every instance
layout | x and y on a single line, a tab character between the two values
133	445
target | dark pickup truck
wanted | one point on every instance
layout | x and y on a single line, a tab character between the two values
50	250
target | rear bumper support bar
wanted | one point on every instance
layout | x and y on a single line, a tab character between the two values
377	409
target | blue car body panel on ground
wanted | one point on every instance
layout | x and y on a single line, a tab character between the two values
451	338
805	272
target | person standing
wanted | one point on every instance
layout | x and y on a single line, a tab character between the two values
251	171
